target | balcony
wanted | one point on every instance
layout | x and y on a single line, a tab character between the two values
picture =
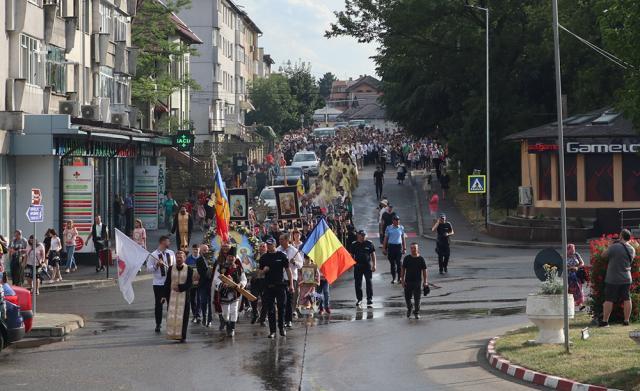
121	63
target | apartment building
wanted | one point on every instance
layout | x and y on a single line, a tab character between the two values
67	125
229	60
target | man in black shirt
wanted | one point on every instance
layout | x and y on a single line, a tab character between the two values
443	229
364	253
413	277
386	220
378	176
274	264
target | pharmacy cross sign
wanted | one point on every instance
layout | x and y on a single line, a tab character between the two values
183	140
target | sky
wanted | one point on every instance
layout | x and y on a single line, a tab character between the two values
294	30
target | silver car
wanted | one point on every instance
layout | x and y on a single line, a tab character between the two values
307	160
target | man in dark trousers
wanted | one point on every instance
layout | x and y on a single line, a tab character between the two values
204	286
274	264
100	235
444	230
386	219
182	227
158	264
364	253
378	178
414	279
617	281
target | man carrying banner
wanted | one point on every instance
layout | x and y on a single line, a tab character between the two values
160	261
177	288
229	297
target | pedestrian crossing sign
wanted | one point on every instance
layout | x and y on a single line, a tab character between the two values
476	184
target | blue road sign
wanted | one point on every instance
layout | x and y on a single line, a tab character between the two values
35	214
476	184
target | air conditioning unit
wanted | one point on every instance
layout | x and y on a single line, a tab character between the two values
121	119
91	112
69	107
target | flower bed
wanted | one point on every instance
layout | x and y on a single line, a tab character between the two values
597	273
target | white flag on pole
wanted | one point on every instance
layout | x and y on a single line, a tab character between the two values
131	256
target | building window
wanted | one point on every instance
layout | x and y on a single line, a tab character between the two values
105	18
36	2
630	177
119	27
104	86
56	70
30	59
570	177
121	90
86	15
598	172
544	176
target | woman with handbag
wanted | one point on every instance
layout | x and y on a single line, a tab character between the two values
55	246
35	261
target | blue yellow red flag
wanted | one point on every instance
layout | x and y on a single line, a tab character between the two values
324	248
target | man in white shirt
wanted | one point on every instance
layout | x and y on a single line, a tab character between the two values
295	263
35	260
158	264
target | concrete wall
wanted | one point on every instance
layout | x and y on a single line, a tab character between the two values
39	172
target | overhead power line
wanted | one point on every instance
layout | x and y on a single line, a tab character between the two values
621	63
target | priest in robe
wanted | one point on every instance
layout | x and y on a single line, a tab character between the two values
177	288
183	227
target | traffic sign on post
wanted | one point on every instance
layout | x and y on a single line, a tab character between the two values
35	213
476	184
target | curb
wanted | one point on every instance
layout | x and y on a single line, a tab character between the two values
542	379
65	286
475	243
58	331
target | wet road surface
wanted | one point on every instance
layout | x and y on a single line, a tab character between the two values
352	349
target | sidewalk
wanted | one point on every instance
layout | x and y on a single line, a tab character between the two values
49	328
465	233
86	275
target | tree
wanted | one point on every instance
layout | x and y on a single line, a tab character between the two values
325	83
431	60
618	21
150	32
274	104
304	88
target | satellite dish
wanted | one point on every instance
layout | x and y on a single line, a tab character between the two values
548	256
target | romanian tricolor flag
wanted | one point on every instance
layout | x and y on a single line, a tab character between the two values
324	248
220	202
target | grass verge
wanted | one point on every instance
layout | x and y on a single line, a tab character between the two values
607	358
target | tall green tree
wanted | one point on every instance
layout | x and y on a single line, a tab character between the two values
274	104
431	60
325	83
618	21
304	88
150	32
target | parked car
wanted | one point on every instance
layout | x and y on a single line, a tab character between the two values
307	160
268	195
323	132
292	175
11	323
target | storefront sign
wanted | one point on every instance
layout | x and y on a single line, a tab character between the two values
77	201
162	169
145	188
577	147
539	147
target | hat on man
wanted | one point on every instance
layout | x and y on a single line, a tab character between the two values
362	232
232	251
443	215
395	218
271	241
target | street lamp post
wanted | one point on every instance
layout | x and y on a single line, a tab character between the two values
563	206
487	121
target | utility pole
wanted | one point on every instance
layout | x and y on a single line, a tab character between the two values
563	204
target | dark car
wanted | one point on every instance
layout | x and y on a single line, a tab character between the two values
292	176
11	322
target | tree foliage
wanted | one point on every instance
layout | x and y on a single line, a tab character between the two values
431	58
620	29
274	104
325	83
282	98
150	32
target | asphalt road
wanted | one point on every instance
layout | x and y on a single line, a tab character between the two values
378	348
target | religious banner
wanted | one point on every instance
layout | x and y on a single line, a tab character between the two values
77	201
287	202
240	237
145	188
239	204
